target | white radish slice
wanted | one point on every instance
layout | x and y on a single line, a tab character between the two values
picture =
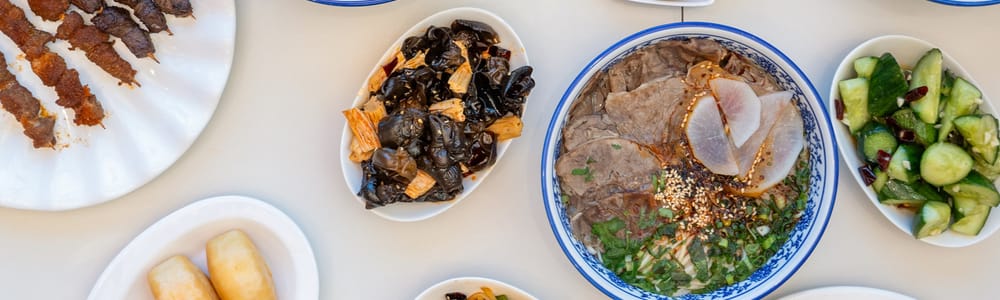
780	151
740	105
707	137
770	107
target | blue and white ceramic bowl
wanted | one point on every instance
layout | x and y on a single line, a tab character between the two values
351	2
967	2
819	139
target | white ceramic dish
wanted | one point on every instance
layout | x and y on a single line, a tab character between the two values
469	285
686	3
408	212
146	129
846	292
907	50
185	231
819	141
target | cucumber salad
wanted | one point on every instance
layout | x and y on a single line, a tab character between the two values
925	143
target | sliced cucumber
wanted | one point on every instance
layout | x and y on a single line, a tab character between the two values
969	216
865	66
880	179
928	73
886	85
963	99
874	137
976	187
854	93
925	133
898	193
905	163
944	163
932	219
991	171
980	131
947	81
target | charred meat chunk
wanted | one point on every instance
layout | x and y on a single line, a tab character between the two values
148	13
97	45
116	21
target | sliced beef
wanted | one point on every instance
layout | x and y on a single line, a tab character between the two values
609	165
646	114
587	128
591	97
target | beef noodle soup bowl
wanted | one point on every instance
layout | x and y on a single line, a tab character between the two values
689	160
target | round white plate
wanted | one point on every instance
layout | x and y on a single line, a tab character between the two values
823	163
146	129
351	2
469	285
967	2
688	3
185	231
409	212
907	50
846	292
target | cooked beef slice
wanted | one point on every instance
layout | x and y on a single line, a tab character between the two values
587	128
608	165
628	207
645	114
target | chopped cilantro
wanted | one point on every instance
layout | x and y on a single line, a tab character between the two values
666	213
616	146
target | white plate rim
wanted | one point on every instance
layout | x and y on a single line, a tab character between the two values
188	219
679	3
412	212
431	292
848	291
947	239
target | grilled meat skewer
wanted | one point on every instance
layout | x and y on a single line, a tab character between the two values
180	8
50	67
97	45
148	13
89	6
116	21
38	125
49	10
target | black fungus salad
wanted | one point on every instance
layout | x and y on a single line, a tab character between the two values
435	114
926	144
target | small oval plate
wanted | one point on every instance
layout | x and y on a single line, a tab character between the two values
906	50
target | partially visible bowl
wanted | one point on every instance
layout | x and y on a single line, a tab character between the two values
469	285
819	141
351	2
967	2
906	50
409	212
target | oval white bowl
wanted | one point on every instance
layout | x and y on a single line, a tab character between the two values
907	50
185	231
409	212
146	129
469	285
819	140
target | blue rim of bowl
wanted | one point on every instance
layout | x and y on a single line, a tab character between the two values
563	101
966	3
351	3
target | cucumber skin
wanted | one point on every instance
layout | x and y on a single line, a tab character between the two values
898	193
877	131
928	73
897	169
961	101
931	219
854	94
944	163
977	187
925	133
887	84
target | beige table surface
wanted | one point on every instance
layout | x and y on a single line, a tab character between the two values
275	136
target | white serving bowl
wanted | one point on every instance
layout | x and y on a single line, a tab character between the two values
906	50
409	212
819	140
469	285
